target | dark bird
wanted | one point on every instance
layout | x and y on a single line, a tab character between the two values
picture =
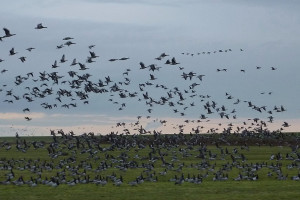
200	77
173	61
40	26
93	54
142	65
55	65
30	49
7	33
152	77
62	60
285	124
69	43
60	46
82	66
23	59
124	58
27	118
12	52
26	110
74	62
68	38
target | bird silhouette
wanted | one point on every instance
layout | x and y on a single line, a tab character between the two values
7	33
40	26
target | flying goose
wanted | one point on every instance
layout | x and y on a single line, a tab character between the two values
7	33
40	26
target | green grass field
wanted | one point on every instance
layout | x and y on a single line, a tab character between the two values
134	162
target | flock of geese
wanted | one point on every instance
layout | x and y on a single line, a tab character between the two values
175	158
53	89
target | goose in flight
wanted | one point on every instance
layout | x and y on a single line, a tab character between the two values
68	38
40	26
28	119
12	52
152	77
26	109
93	54
62	60
142	65
161	56
74	62
173	61
3	71
82	66
55	65
7	33
30	48
69	43
200	77
124	58
60	46
90	60
23	59
167	62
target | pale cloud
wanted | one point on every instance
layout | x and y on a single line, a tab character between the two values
100	118
18	116
149	124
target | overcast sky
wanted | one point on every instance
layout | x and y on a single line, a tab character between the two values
267	31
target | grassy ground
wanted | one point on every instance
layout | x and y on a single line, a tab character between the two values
207	190
266	187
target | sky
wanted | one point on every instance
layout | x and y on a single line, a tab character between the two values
266	31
